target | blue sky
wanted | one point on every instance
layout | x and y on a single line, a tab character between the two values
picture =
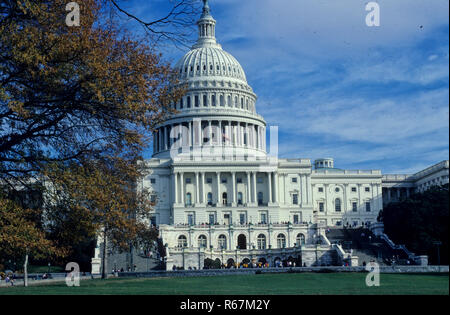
370	97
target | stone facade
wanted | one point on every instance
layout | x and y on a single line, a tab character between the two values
220	194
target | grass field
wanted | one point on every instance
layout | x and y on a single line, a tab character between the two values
265	284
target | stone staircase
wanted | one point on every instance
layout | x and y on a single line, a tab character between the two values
365	245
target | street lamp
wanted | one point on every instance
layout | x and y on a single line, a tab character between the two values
48	268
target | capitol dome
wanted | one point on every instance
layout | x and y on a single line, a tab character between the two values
209	62
217	95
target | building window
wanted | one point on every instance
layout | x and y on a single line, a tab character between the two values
209	180
227	219
337	189
263	218
152	180
188	199
202	241
212	219
239	180
321	207
294	179
320	189
213	100
153	198
337	205
353	189
281	241
239	198
367	206
242	220
191	220
354	206
182	241
296	219
260	198
261	241
222	242
367	189
225	198
223	180
205	100
295	199
300	239
197	101
188	102
188	180
210	199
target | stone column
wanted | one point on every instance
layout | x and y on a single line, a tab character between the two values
220	133
175	176
308	190
275	187
233	199
197	188
182	187
210	132
255	199
191	138
219	201
247	135
230	139
202	185
269	179
180	132
249	198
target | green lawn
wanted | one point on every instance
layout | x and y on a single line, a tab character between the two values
266	284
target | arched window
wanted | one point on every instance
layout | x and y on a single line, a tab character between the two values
182	241
202	241
236	101
188	199
229	101
281	241
261	241
222	100
205	100
300	239
222	242
188	102
260	198
337	205
210	199
213	100
239	198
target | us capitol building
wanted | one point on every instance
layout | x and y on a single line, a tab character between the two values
221	195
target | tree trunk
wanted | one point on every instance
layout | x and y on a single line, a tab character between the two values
25	271
104	267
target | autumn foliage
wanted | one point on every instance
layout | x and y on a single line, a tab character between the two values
77	106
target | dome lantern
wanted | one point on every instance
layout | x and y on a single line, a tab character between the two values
206	29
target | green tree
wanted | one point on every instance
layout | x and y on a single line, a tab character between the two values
419	222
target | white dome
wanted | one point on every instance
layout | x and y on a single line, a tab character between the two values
218	109
209	62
